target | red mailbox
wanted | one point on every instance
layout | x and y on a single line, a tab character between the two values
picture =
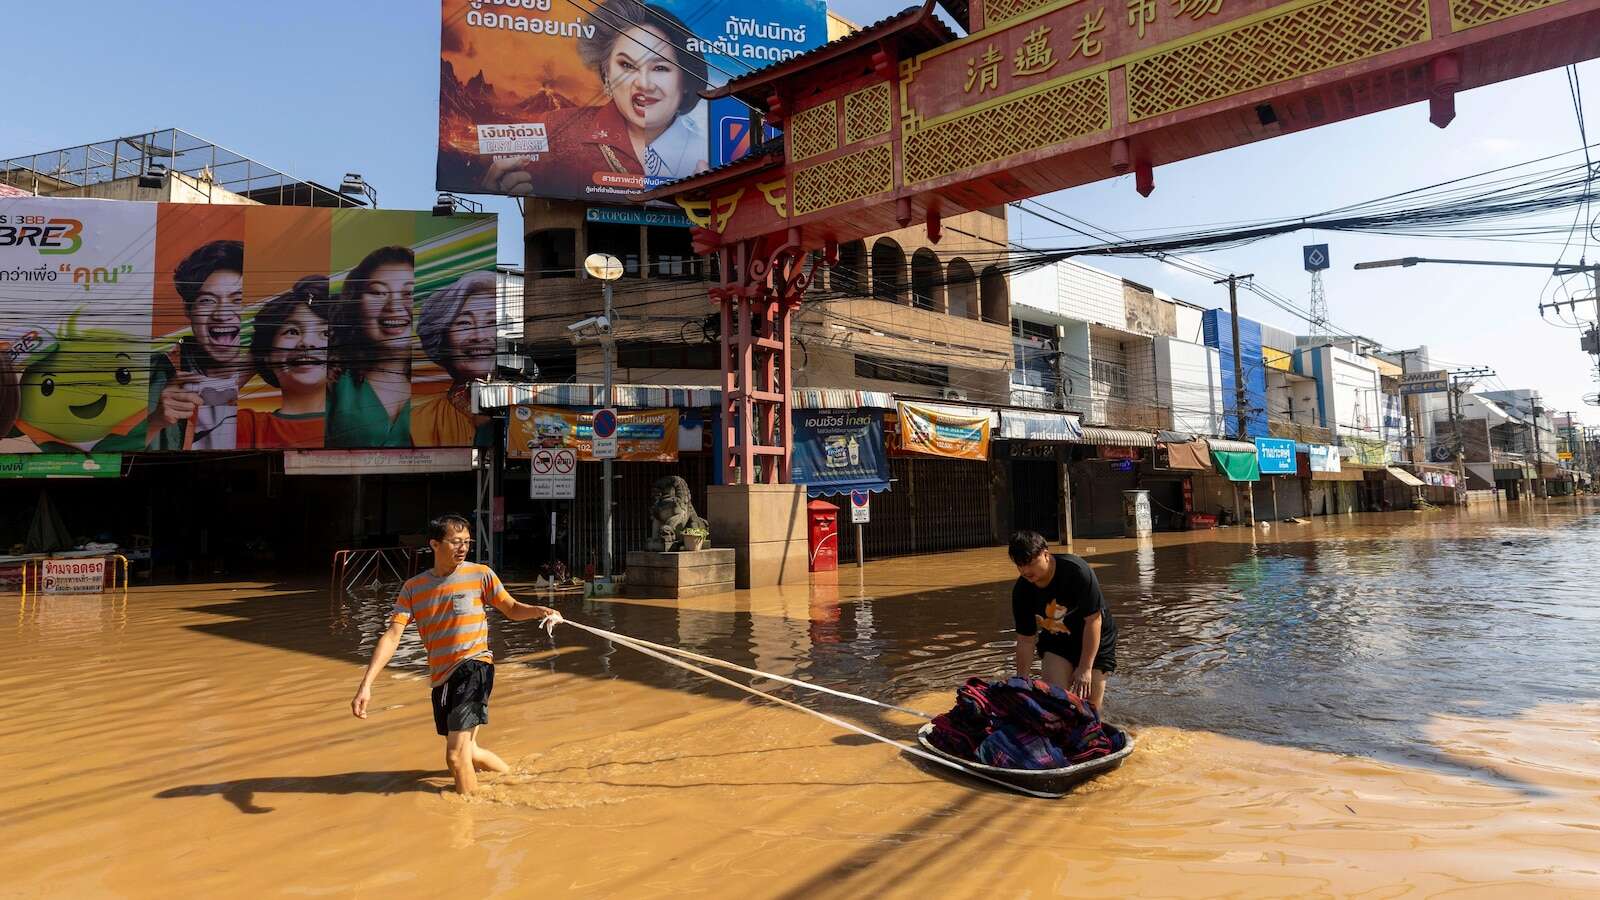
822	520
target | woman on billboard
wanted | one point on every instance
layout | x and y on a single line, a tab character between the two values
369	401
641	53
457	332
289	346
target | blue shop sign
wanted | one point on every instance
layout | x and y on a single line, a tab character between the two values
837	451
1276	456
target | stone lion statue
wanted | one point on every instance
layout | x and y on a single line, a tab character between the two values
670	511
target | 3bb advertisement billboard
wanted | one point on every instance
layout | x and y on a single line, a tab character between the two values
598	101
162	326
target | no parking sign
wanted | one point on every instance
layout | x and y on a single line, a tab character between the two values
605	434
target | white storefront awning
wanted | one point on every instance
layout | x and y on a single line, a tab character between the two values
1118	437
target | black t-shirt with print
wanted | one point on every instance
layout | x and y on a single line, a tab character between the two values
1056	613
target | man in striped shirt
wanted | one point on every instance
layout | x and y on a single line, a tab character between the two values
447	603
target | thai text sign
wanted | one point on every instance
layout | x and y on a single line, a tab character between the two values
73	576
643	435
1019	425
60	465
839	450
375	462
1324	458
599	101
1276	456
1424	382
950	431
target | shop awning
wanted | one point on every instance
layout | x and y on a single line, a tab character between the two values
1404	477
1237	465
1232	446
1118	437
1350	473
500	394
1025	425
1193	456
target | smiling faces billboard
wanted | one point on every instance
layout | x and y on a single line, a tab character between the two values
151	327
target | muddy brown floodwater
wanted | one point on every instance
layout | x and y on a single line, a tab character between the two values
1395	704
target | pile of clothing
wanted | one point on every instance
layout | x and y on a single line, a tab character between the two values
1022	723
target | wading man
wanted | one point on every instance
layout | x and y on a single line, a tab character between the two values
448	604
1062	617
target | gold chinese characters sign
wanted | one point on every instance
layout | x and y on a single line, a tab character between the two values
1041	75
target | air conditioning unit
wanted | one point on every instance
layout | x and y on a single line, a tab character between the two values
950	393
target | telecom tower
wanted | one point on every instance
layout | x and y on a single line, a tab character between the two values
1316	259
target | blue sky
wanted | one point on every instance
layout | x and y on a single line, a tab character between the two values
320	88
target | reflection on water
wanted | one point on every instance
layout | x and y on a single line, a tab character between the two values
1324	636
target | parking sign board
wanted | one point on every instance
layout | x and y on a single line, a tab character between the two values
860	507
605	434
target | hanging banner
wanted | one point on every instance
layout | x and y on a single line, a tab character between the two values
837	451
1323	458
1237	465
954	432
375	462
643	435
1017	425
1276	456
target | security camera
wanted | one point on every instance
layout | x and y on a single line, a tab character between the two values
596	323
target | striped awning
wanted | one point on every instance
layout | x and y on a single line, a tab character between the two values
841	398
498	395
1118	437
1231	446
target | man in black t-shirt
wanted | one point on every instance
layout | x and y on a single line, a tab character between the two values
1060	613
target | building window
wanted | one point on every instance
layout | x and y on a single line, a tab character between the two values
1034	352
963	289
621	241
849	278
662	356
897	370
552	253
1113	376
888	271
926	290
672	256
996	296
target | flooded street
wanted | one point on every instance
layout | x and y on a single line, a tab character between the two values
1399	703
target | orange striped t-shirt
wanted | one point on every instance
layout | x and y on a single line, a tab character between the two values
450	615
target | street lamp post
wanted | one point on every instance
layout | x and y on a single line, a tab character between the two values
606	268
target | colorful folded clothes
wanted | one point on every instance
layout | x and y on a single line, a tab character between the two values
1022	723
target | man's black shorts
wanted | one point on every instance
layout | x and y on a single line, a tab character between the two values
1104	661
462	702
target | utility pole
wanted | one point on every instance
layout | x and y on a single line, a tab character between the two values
1539	488
1405	403
1238	384
607	269
1456	380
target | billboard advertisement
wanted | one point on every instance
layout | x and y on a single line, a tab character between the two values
949	431
598	101
130	327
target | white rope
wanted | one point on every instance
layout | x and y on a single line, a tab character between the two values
912	749
713	661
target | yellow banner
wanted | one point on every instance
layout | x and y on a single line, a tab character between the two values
643	435
951	432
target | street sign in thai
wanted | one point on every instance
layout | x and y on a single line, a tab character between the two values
1424	382
553	474
605	434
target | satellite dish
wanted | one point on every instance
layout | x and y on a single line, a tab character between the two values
603	266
